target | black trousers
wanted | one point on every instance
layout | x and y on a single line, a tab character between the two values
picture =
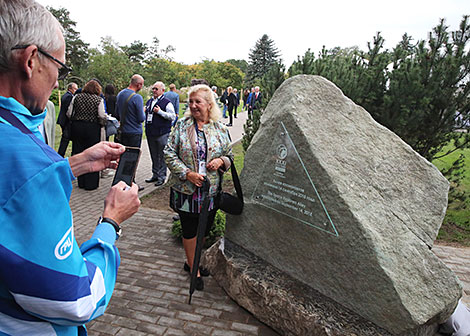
84	135
131	140
230	114
64	140
190	223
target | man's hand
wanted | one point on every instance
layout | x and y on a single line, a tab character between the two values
98	157
121	202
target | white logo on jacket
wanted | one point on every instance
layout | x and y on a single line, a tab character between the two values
65	246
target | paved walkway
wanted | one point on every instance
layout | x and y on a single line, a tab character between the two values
152	289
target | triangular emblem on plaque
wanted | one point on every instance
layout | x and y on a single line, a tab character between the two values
287	188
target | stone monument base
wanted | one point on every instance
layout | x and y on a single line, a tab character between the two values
284	303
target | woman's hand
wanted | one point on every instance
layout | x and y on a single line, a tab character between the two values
215	164
195	178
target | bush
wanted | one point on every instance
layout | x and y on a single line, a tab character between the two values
217	231
55	97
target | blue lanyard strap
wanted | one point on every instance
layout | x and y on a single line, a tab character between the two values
14	121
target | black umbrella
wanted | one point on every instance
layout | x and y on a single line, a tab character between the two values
201	230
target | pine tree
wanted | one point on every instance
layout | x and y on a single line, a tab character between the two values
262	57
418	90
269	82
76	52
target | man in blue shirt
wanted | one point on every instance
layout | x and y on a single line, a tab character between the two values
132	117
174	98
130	109
48	285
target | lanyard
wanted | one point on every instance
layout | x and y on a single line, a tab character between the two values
155	102
201	163
14	121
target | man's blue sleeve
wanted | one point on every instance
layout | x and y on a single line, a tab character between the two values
41	266
139	105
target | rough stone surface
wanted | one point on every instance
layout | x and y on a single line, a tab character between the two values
370	212
266	291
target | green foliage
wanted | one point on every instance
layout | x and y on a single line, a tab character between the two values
220	74
160	69
240	64
135	51
456	225
261	58
217	231
420	91
76	52
416	90
54	97
251	127
110	65
271	80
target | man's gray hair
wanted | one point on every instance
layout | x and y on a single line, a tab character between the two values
71	84
160	84
25	22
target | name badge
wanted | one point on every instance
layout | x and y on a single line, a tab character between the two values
202	167
149	117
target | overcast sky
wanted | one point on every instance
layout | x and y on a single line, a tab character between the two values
220	30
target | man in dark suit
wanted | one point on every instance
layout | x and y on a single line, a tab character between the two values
256	99
62	120
160	114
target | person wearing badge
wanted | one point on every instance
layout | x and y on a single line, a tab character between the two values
160	114
199	146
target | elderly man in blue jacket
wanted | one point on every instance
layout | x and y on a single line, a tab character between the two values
48	285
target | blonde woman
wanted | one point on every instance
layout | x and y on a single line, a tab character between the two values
199	146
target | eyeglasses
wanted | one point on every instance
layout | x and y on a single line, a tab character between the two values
64	70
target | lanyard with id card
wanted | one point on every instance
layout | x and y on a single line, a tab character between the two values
201	163
150	113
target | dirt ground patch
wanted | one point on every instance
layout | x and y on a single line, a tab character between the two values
159	199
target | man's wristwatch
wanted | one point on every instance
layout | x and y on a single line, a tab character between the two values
115	225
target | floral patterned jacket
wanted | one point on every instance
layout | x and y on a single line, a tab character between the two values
180	153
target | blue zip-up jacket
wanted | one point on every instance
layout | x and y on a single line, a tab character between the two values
48	285
135	115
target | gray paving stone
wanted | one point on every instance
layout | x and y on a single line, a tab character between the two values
245	328
198	329
189	316
175	332
150	328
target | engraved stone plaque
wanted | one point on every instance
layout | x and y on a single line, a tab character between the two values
285	186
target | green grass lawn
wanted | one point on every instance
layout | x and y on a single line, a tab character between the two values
456	225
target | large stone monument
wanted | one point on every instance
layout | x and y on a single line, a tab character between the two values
339	221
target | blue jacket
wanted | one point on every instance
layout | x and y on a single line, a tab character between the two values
48	285
135	115
175	100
